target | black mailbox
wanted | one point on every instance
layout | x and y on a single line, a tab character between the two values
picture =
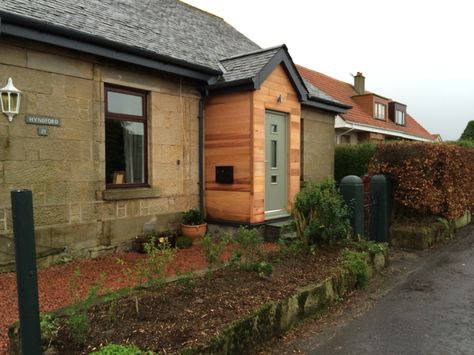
225	174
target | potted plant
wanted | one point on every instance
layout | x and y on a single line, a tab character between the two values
193	225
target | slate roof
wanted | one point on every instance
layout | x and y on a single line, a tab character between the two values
247	65
166	27
344	92
315	92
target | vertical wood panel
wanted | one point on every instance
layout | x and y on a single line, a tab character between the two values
228	140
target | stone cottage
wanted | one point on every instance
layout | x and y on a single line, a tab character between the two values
131	114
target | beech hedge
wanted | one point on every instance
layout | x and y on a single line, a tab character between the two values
428	179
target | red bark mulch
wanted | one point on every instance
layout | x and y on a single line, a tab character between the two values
55	292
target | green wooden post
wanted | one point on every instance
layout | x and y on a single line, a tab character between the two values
352	191
379	208
26	275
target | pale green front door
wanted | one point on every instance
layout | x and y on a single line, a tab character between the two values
276	153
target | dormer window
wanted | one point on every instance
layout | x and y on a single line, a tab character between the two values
397	113
379	111
400	117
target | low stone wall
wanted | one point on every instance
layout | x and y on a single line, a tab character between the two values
421	237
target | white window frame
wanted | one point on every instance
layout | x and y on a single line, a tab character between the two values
379	111
400	117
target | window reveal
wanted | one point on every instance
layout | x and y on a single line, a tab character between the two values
125	137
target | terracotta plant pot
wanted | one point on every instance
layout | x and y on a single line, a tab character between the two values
193	231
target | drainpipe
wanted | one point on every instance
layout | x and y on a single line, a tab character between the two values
202	102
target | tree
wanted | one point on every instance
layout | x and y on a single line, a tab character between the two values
468	133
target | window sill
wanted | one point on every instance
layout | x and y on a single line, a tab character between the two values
130	193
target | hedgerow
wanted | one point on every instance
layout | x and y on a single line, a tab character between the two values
428	179
352	159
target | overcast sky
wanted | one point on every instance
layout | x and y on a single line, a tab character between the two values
417	52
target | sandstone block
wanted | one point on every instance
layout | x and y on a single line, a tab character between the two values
12	55
59	64
26	172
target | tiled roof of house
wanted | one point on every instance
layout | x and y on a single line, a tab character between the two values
344	92
166	27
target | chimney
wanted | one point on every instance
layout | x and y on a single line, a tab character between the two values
359	83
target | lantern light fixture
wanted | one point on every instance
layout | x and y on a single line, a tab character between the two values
10	99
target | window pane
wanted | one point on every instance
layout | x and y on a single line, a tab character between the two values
274	154
125	151
124	103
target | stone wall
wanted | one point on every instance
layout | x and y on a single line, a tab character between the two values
66	169
318	144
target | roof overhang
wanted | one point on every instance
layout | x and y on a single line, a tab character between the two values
341	123
31	29
255	82
326	105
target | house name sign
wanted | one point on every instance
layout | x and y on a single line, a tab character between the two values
41	120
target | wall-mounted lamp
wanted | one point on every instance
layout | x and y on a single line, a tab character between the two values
280	99
10	100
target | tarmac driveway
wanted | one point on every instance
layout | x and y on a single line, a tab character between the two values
432	312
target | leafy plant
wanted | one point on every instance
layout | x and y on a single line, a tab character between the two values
186	279
49	328
372	246
445	223
263	268
151	270
193	217
320	214
115	349
183	242
291	247
248	246
356	262
213	249
77	316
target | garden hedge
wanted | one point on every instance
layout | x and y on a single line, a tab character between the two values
352	159
468	133
428	179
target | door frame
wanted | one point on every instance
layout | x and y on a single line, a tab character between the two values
284	211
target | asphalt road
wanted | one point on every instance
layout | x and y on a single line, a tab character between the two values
431	312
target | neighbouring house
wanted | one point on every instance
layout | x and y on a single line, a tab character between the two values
372	117
132	113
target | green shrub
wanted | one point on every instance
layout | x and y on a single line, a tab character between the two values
193	217
114	349
151	270
352	159
183	242
372	247
462	143
356	262
320	214
468	133
248	246
49	329
213	249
